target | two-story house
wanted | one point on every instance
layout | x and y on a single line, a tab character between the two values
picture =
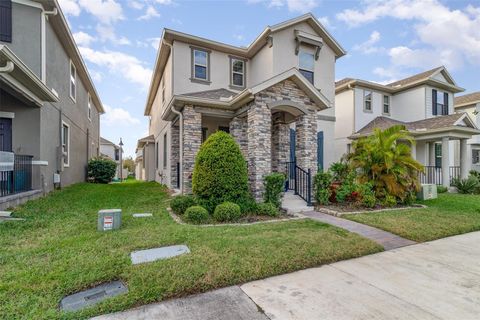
470	103
276	97
423	103
49	108
112	151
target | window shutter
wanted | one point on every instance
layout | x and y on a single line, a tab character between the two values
434	102
6	20
445	99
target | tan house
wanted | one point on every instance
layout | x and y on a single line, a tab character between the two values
470	104
424	103
276	97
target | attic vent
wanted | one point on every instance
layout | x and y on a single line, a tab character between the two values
308	39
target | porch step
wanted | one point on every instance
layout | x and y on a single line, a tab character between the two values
293	204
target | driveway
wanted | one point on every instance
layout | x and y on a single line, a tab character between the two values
434	280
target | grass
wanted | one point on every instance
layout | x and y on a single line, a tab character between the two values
57	251
449	215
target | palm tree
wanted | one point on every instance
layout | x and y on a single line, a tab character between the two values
384	159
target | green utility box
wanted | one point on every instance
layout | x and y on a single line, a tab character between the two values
109	219
427	192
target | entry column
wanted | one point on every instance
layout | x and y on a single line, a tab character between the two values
192	139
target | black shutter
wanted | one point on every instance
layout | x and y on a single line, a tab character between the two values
434	102
445	101
6	20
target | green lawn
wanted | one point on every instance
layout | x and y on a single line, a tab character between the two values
57	251
448	215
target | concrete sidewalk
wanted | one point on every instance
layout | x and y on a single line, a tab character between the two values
435	280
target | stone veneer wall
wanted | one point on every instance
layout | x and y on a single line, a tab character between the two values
175	155
280	142
238	129
192	139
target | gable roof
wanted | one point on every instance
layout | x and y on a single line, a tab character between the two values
216	94
168	36
426	77
467	99
105	141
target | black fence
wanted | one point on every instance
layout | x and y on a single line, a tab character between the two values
18	180
300	181
433	175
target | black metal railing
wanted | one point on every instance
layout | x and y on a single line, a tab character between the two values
433	175
299	180
178	175
18	180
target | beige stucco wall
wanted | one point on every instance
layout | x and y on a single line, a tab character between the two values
362	117
344	102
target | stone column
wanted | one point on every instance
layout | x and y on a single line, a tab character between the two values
192	139
306	142
465	159
238	129
259	145
446	161
431	153
175	155
280	143
413	148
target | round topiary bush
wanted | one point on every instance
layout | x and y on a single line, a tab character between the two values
227	211
180	204
220	172
101	170
267	209
196	215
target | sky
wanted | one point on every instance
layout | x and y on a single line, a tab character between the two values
385	40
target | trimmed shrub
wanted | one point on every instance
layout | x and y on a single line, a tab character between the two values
247	204
466	186
220	172
321	185
227	211
441	189
274	186
197	215
267	209
101	170
180	204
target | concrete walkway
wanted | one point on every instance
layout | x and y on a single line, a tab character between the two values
388	240
434	280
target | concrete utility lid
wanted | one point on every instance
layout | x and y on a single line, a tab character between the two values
5	214
142	215
150	255
92	296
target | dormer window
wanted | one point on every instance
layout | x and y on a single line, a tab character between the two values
306	65
237	72
200	65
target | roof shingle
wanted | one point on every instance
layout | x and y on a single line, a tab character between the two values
470	98
216	94
414	78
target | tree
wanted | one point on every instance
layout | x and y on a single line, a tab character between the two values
129	164
384	159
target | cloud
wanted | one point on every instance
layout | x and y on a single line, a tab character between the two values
164	2
151	12
135	5
118	117
445	36
301	6
96	75
70	7
325	21
107	33
127	66
106	11
368	46
83	39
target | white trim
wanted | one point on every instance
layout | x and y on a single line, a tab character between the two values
29	3
40	163
74	98
9	115
66	165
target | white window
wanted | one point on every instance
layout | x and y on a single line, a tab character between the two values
306	65
237	72
165	151
66	144
163	91
200	64
89	111
73	81
367	100
386	104
476	156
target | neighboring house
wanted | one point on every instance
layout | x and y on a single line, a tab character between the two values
49	108
470	103
424	104
112	151
145	159
276	97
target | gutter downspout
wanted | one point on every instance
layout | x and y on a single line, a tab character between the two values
180	115
45	14
8	67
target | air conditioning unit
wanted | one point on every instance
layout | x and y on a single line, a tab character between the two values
427	192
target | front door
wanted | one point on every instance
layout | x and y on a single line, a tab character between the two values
6	134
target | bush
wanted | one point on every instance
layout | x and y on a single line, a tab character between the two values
180	204
340	170
389	201
247	204
197	215
227	211
347	188
441	189
466	186
369	201
267	209
220	172
274	186
321	185
101	170
366	194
